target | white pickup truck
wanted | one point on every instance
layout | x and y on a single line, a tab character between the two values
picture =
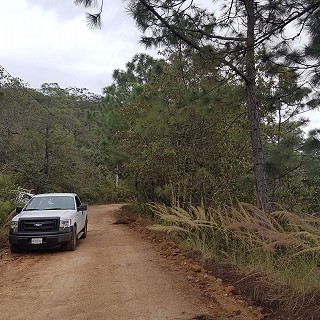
49	220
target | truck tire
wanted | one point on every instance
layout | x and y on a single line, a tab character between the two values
72	243
85	230
14	248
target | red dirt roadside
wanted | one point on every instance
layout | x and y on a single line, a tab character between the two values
113	274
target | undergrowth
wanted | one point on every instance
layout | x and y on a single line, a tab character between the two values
4	228
282	246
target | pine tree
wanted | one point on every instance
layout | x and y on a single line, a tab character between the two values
231	34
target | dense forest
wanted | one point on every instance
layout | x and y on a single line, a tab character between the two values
213	122
251	42
170	130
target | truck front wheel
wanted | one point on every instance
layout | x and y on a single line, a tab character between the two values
72	243
14	248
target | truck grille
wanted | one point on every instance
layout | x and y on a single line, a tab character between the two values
39	225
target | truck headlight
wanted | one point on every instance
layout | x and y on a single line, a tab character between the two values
14	226
65	223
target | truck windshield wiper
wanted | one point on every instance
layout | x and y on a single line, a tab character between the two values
52	209
33	209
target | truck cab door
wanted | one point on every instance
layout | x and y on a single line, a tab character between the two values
81	215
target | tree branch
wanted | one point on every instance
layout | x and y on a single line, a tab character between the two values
271	32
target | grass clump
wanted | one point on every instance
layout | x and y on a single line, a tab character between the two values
277	254
283	245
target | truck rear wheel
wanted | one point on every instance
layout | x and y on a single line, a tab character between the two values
72	243
85	230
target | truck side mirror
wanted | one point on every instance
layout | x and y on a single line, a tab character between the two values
18	209
83	207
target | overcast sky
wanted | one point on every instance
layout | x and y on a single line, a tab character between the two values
49	41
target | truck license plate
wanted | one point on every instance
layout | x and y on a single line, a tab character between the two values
36	240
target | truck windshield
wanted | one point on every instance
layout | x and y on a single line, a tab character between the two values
51	203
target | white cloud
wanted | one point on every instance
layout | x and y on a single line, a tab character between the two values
49	41
314	117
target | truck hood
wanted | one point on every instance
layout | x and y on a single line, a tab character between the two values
62	214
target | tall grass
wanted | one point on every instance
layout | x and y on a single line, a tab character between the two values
282	244
4	228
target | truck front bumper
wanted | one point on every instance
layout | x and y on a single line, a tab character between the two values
48	240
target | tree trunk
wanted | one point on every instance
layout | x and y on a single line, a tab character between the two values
46	152
253	113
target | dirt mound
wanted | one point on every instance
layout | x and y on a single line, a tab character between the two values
124	220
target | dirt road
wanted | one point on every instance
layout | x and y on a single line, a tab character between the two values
113	274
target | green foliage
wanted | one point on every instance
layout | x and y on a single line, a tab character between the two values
46	138
106	191
110	118
173	131
177	134
242	37
6	197
139	209
5	207
5	183
293	167
180	137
